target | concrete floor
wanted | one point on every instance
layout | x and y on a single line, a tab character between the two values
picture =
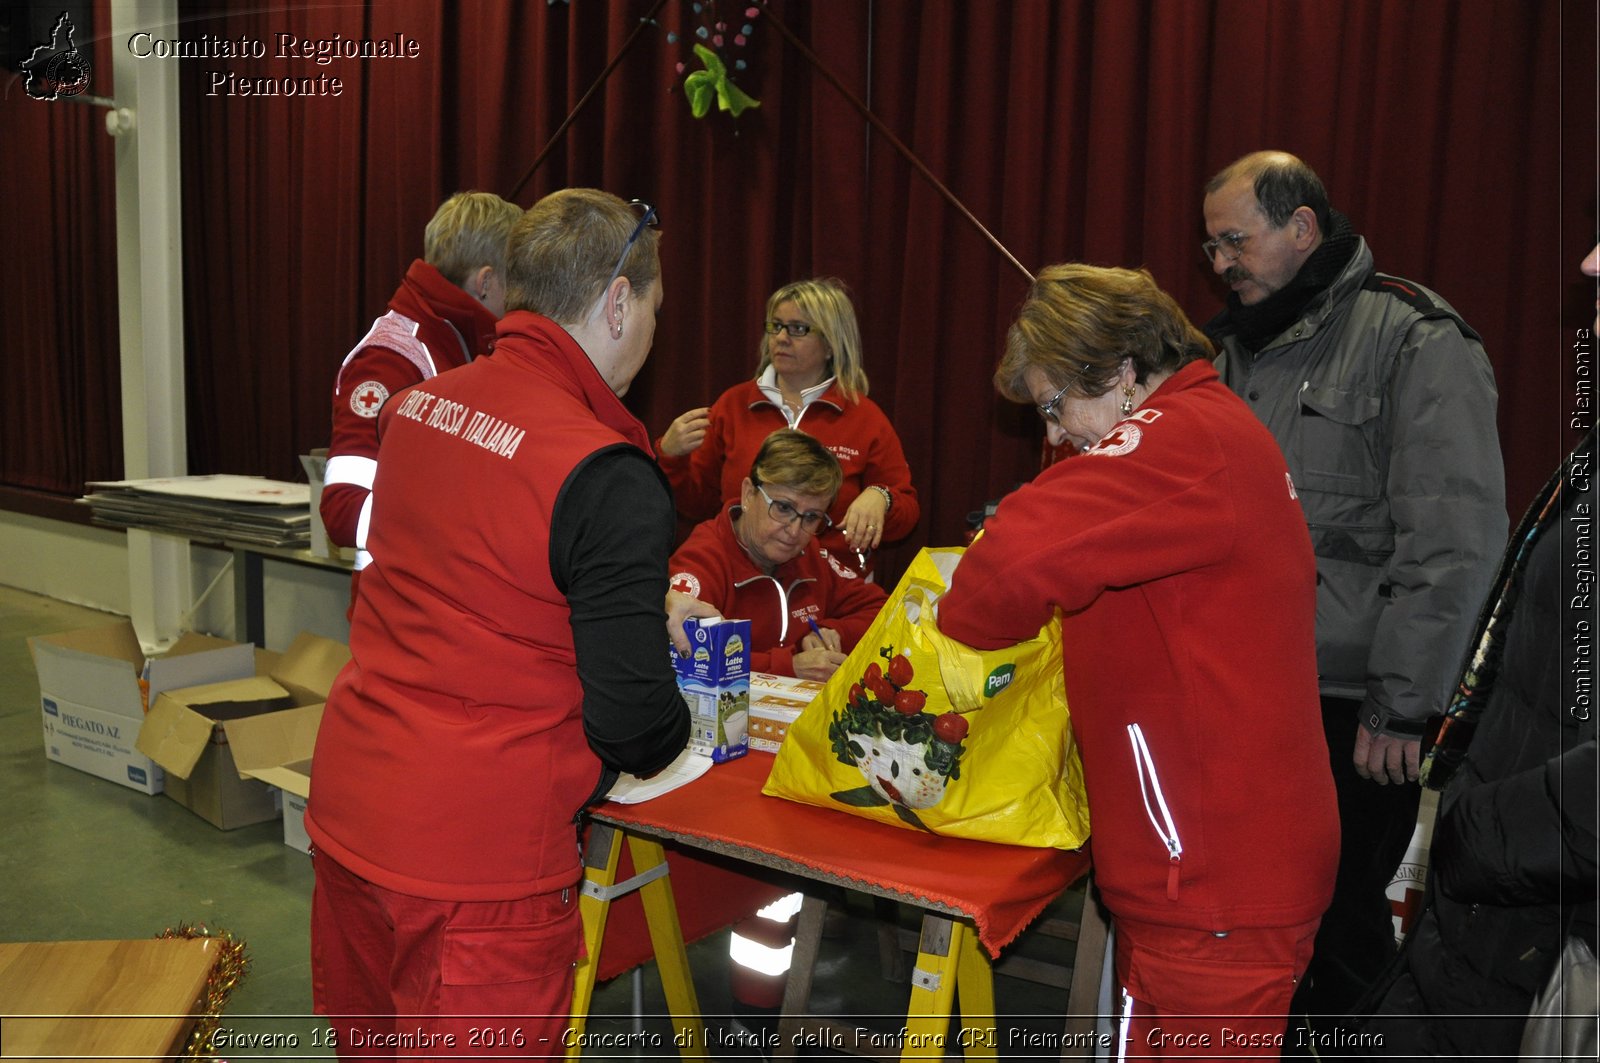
83	859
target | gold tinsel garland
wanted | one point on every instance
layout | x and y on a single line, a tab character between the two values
233	962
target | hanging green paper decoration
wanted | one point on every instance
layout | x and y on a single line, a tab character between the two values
702	85
720	52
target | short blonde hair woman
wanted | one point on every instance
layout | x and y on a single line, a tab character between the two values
810	376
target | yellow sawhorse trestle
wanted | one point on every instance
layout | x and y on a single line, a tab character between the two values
950	967
600	887
951	970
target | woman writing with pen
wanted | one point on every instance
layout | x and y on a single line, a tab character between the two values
760	561
810	376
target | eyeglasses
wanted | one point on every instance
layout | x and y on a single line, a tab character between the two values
650	218
1048	410
784	513
793	328
1230	244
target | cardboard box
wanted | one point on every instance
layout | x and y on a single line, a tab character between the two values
97	742
309	666
92	701
190	732
276	749
715	681
187	734
776	701
294	817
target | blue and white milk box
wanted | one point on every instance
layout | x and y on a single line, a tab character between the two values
715	681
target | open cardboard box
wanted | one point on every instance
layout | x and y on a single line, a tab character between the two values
92	704
275	748
190	732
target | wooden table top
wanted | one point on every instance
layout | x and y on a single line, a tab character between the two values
94	999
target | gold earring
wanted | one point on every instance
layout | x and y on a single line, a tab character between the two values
1127	400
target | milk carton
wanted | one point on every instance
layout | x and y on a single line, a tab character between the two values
715	681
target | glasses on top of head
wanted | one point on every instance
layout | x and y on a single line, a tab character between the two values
784	513
649	217
793	328
1230	244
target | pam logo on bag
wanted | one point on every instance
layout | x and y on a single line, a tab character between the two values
905	754
999	679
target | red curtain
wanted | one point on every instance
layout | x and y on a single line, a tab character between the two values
60	413
1459	135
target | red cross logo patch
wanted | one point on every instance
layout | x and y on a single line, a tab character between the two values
685	583
1123	439
368	398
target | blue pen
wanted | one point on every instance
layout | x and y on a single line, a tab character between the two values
815	630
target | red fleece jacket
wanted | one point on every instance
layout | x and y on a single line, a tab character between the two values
712	566
1179	559
706	480
451	325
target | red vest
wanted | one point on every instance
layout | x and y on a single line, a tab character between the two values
451	760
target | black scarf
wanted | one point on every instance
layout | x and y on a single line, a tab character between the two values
1258	324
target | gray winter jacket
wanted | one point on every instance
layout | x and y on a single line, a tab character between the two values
1386	414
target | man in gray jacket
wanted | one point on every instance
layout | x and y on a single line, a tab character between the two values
1384	404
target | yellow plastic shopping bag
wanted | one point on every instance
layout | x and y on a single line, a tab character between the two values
921	731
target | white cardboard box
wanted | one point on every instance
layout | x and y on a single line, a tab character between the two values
92	703
776	701
294	818
98	742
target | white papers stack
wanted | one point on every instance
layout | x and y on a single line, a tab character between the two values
217	508
631	790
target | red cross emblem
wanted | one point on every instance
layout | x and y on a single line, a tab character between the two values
368	398
1407	908
685	583
1122	439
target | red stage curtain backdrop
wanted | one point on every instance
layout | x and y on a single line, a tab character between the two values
1459	135
60	413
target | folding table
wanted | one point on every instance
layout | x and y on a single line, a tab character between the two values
975	897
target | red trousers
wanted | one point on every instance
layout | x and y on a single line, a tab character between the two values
403	976
1188	993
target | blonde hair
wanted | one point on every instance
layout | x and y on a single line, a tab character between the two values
790	458
467	232
1080	322
825	301
563	249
